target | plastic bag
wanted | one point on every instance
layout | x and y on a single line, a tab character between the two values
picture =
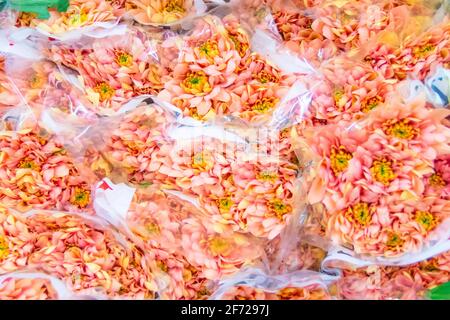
111	71
209	164
254	284
84	252
178	237
37	172
164	12
217	76
38	286
380	283
380	182
412	45
90	18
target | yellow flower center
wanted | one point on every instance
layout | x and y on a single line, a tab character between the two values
426	219
339	158
203	161
360	212
288	293
267	175
265	77
77	19
241	47
394	240
36	81
81	197
124	59
25	18
401	129
338	94
219	246
174	6
161	265
29	164
279	208
196	83
430	266
105	91
371	104
209	49
4	248
381	171
203	292
152	228
436	180
224	204
423	51
264	105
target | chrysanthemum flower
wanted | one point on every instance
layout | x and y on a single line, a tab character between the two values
159	11
27	289
37	173
113	70
381	283
77	251
79	14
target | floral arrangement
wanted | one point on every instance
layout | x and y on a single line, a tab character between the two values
181	149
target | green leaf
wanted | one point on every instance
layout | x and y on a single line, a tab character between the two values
441	292
39	7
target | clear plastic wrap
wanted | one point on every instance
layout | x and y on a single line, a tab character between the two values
243	185
95	18
219	76
254	284
381	283
39	286
178	237
111	71
36	172
415	42
84	252
164	12
378	188
255	149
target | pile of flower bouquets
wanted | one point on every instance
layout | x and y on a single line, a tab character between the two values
255	149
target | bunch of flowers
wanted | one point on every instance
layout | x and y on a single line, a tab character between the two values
409	283
113	70
217	75
372	180
80	14
76	250
37	172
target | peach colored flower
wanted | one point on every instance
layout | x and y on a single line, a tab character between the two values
388	227
178	278
351	25
312	292
160	11
381	283
207	67
412	126
27	289
76	250
438	183
217	254
135	143
431	48
79	14
36	172
113	70
298	36
396	56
